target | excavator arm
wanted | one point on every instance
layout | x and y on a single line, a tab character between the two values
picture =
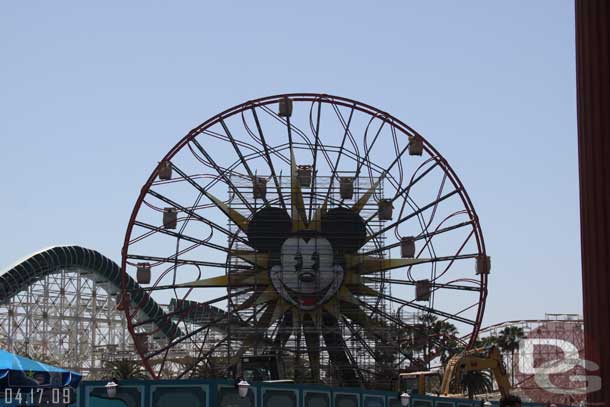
476	360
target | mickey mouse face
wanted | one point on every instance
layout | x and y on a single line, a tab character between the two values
307	274
307	267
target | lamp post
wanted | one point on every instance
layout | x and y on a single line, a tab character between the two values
111	389
242	388
404	399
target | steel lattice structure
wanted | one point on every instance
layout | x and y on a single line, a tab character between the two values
554	344
303	225
59	305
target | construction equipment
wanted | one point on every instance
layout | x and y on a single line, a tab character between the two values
424	382
262	368
468	361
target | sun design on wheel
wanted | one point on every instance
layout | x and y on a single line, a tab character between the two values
322	247
306	264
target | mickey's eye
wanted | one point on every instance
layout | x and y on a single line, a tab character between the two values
315	258
299	262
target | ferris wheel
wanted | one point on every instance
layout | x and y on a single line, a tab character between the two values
308	227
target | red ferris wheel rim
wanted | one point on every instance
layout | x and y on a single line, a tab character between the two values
328	99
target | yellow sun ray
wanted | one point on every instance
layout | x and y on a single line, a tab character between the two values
316	220
365	198
279	310
352	278
267	294
240	220
258	259
346	295
242	279
368	264
260	326
362	289
371	327
332	307
218	281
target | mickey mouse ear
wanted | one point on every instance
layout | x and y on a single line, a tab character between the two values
269	228
344	228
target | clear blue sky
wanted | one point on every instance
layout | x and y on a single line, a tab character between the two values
92	96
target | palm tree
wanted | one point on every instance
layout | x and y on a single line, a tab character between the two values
40	357
435	338
210	368
487	341
122	369
476	382
508	342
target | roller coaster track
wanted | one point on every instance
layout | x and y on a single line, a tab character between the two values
89	264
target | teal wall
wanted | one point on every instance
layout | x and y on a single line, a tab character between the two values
222	393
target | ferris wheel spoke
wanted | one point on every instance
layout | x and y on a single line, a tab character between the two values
457	255
468	308
290	128
141	237
241	157
386	316
268	157
242	279
183	338
201	358
297	206
419	307
255	259
359	338
373	329
338	351
335	168
175	257
237	218
181	236
415	213
252	340
424	236
433	286
259	297
312	341
223	175
368	264
321	146
200	218
284	331
236	148
380	178
180	261
223	137
369	147
181	311
315	158
394	319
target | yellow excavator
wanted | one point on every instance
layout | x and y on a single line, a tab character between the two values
467	361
